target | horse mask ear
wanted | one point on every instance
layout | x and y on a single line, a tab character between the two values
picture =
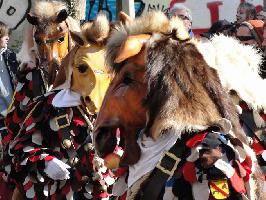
78	38
124	18
32	19
131	47
61	16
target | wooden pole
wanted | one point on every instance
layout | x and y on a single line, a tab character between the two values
118	6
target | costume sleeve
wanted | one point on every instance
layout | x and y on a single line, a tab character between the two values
23	100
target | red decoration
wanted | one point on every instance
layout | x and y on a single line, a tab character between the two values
198	138
256	146
237	183
176	1
189	172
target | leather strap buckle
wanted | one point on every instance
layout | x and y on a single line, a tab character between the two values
62	121
173	159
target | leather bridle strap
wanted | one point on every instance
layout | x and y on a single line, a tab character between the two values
63	124
170	162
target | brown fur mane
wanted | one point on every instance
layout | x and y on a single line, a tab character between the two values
152	22
184	93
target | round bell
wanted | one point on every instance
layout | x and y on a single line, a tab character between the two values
103	188
88	147
74	161
84	179
66	143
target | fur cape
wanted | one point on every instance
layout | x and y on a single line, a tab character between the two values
238	68
211	85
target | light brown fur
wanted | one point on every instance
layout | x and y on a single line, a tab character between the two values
153	22
47	9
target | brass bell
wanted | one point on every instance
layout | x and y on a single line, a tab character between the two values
103	188
84	179
67	143
75	160
88	147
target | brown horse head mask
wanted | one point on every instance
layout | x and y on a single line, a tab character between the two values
51	34
84	70
123	104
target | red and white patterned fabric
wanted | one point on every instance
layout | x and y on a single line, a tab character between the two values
33	141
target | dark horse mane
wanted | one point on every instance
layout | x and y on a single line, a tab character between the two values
183	91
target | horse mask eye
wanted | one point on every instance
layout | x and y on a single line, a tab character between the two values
61	40
38	41
82	68
127	78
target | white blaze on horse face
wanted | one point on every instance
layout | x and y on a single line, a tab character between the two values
13	12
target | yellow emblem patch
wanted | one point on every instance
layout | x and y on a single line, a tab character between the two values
219	189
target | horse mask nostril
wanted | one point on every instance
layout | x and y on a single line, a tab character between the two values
87	99
105	141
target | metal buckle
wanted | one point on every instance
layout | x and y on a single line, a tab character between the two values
166	171
62	125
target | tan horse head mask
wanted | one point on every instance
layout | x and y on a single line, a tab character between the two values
83	69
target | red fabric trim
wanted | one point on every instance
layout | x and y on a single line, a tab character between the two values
237	183
30	85
198	138
7	138
20	96
48	158
263	116
15	118
247	164
123	197
28	185
256	146
19	146
189	172
78	175
120	171
34	158
104	195
66	190
29	121
78	121
244	105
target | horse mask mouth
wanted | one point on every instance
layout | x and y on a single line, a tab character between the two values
106	140
110	139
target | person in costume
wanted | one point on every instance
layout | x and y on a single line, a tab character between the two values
52	156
